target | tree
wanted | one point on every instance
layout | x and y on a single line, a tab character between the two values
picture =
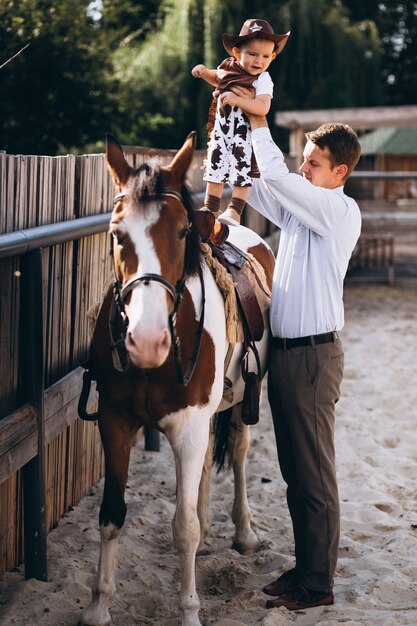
126	22
397	27
54	96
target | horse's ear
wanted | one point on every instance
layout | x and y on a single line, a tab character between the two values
182	160
116	162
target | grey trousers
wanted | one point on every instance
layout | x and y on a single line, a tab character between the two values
303	388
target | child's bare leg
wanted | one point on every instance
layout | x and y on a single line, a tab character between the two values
234	211
213	197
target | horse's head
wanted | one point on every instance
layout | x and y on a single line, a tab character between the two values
154	247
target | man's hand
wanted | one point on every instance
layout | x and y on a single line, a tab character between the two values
199	70
243	92
229	98
256	121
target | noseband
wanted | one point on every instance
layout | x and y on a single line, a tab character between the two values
119	321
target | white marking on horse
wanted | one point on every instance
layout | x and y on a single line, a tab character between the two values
104	586
148	340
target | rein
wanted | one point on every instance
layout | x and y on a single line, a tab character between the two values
118	316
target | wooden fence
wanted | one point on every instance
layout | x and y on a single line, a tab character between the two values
36	191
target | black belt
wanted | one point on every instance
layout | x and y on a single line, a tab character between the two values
297	342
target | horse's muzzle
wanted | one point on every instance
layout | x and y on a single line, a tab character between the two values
150	351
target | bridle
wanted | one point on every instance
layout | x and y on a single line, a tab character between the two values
119	321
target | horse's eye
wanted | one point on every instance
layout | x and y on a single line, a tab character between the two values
183	232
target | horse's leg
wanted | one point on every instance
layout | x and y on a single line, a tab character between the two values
244	541
203	507
189	444
117	439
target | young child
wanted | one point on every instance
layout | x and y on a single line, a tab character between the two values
229	155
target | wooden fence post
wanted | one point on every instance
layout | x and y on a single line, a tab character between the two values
32	361
152	439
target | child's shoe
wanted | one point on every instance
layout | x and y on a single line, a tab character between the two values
230	216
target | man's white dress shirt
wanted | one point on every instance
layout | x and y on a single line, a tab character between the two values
319	229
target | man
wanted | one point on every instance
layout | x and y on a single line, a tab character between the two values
319	229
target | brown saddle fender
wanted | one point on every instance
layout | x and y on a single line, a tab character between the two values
234	259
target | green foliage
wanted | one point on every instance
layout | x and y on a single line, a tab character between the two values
125	22
55	93
398	25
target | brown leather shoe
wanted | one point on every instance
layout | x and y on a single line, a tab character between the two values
301	598
281	585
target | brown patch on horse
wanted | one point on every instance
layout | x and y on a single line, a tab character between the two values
265	257
146	396
169	229
204	221
126	259
165	394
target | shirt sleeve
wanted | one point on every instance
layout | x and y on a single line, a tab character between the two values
278	191
264	85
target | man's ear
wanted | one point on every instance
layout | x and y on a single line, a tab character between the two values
341	171
236	53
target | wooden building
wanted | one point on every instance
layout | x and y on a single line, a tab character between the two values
361	119
391	149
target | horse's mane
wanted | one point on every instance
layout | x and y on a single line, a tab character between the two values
148	185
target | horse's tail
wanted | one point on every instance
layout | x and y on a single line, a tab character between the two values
222	425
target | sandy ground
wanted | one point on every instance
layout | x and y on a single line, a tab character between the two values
376	581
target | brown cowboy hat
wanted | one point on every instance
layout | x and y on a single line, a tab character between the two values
253	29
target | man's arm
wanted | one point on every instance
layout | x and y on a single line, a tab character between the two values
321	210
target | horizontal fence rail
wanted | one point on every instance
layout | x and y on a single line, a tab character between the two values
23	241
384	175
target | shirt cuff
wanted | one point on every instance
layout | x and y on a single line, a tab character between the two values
260	134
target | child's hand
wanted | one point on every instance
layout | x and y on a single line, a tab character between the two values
229	98
199	70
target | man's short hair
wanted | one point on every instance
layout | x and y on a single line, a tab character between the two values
342	142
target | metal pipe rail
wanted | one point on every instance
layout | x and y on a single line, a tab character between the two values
384	175
24	241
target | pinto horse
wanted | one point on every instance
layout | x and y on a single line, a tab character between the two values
159	361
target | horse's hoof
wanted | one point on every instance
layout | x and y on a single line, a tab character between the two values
246	550
90	620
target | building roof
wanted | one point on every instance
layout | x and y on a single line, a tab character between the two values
389	141
360	118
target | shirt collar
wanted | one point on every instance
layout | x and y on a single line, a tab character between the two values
339	190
